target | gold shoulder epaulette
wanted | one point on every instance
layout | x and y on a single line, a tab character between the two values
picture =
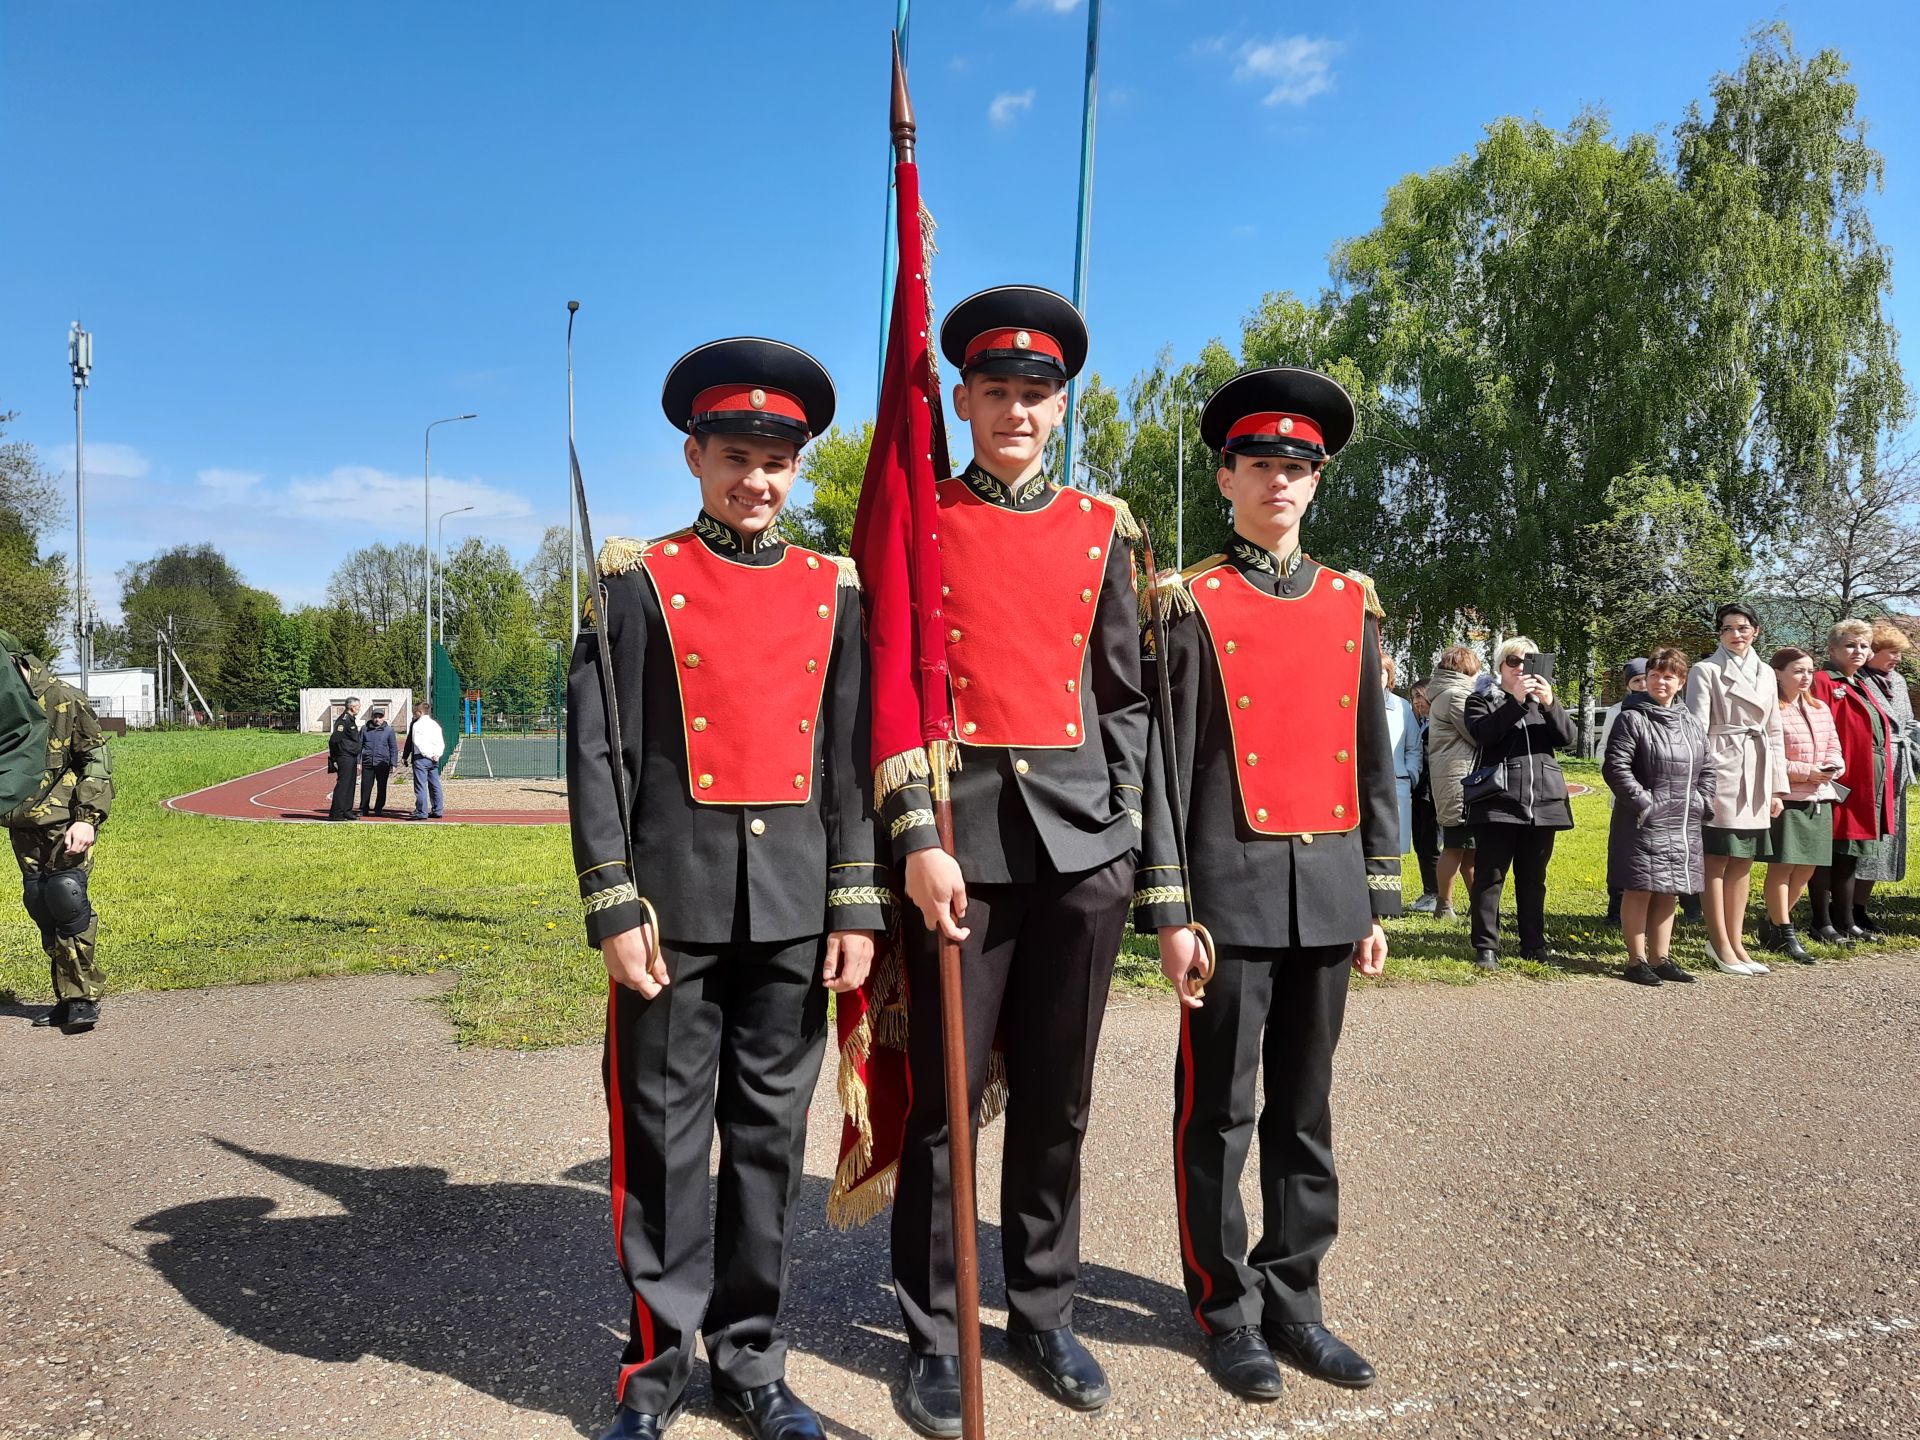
621	554
1174	594
1372	593
1124	525
849	572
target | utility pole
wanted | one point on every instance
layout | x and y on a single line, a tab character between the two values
80	361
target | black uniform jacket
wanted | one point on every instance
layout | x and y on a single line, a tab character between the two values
1248	889
1019	814
347	741
715	873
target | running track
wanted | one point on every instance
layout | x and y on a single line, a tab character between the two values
301	790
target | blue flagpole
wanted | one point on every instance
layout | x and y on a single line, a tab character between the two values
1083	238
891	256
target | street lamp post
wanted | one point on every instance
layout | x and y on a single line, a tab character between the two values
426	542
80	361
440	548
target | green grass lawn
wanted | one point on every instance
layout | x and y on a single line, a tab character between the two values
188	901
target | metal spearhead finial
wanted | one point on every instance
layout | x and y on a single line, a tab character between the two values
903	126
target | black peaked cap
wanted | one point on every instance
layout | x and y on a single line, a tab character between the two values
1289	391
1016	308
751	366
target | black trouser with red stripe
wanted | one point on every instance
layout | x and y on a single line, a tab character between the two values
1035	970
735	1038
1284	1007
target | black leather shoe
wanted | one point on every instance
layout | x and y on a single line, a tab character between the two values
632	1425
81	1015
1321	1353
1791	947
1863	925
1540	957
772	1412
1672	973
1827	935
933	1394
56	1015
1072	1373
1640	973
1487	959
1242	1361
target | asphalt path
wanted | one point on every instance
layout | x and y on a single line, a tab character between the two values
1578	1209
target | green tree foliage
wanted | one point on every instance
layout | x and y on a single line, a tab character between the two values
33	587
549	580
1660	562
833	465
491	630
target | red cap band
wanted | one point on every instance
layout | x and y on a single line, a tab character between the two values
1037	341
1274	425
722	398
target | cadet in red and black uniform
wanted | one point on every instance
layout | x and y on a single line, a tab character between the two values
740	671
1043	654
1292	837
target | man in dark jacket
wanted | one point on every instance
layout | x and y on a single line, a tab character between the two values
379	753
1283	771
343	759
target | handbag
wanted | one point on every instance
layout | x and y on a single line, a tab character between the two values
1486	781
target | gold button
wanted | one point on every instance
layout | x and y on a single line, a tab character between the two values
806	727
963	682
1213	582
1085	504
758	827
699	722
692	660
1232	645
946	589
953	634
1339	584
706	782
823	612
1252	759
1339	812
1072	729
1244	701
1341	756
968	728
679	602
1093	552
1306	839
812	665
1349	647
1346	702
1261	813
1085	595
813	563
671	548
1078	638
1072	685
1020	767
799	782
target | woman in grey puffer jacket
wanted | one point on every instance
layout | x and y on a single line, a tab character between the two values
1656	766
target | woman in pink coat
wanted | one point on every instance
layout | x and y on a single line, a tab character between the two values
1803	831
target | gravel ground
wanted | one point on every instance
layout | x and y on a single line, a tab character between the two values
489	794
1571	1210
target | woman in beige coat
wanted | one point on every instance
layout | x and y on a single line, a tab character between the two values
1734	696
1451	753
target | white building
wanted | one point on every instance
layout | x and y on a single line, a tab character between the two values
128	694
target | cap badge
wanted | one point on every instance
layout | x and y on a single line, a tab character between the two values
758	399
1022	339
1286	421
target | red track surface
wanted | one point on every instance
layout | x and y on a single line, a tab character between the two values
301	790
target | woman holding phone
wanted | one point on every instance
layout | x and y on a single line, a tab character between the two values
1734	696
1803	831
1516	797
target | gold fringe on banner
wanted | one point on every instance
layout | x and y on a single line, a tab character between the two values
909	767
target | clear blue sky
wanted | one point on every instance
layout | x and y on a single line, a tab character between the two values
300	232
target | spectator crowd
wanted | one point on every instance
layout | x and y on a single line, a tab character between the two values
1714	765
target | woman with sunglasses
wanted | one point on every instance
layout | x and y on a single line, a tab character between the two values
1734	696
1519	801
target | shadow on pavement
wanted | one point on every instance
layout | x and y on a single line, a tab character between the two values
510	1287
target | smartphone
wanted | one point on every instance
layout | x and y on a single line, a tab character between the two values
1540	663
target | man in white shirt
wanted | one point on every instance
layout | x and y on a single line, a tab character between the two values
426	744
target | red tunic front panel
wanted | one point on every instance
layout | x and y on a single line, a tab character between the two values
750	650
1022	587
1290	677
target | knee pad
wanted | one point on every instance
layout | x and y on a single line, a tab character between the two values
34	898
64	894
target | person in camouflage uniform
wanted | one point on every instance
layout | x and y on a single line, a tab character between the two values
53	832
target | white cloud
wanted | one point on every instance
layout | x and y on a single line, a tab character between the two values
230	484
104	457
1298	67
1210	45
1052	7
1007	106
379	501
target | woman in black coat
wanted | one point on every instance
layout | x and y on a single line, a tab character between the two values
1520	804
1656	766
